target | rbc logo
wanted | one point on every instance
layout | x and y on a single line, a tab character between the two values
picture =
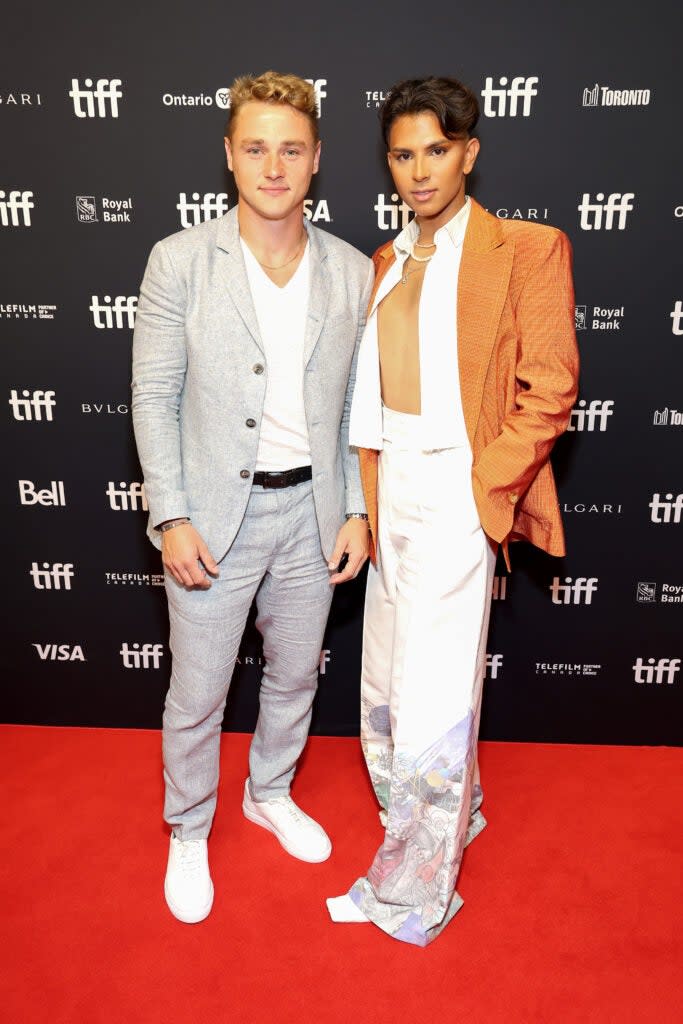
32	404
123	307
591	213
677	318
394	209
105	92
493	663
520	89
16	203
580	591
582	418
126	496
147	656
670	508
51	577
211	204
663	670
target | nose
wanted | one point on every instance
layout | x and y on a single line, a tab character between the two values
273	166
420	171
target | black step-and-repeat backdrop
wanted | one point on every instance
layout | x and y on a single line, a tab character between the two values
111	124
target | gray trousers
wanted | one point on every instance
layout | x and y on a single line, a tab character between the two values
276	557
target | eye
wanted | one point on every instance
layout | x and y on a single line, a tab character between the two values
439	151
254	150
402	157
292	152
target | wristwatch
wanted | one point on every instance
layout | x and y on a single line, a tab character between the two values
170	523
357	515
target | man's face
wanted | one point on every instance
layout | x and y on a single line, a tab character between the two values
272	155
428	169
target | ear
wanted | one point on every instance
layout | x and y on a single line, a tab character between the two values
471	153
316	157
228	152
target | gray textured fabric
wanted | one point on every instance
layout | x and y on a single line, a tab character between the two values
195	347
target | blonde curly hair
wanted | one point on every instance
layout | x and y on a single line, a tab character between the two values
273	87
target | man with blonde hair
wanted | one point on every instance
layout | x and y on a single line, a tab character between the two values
243	362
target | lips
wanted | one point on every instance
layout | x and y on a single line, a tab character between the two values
274	191
423	194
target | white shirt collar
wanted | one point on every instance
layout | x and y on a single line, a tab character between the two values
454	229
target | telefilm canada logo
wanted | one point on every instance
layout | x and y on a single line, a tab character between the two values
566	668
15	208
598	318
605	213
113	211
134	579
669	593
605	96
374	98
509	98
113	314
27	311
96	99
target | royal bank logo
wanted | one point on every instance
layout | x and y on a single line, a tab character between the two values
134	579
15	208
667	509
33	406
603	318
667	418
59	652
20	99
604	96
494	665
114	211
114	314
605	214
579	318
566	668
392	214
52	575
102	100
591	416
201	207
141	655
27	311
127	497
646	593
670	593
509	99
676	318
319	87
662	670
49	497
86	209
573	591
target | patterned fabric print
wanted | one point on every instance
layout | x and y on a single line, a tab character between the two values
409	891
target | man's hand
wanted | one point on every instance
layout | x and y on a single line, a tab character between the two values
353	540
182	551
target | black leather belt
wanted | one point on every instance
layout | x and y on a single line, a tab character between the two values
286	478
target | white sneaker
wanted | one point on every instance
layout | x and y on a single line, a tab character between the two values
188	887
296	832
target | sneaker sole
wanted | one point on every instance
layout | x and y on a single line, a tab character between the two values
257	820
186	918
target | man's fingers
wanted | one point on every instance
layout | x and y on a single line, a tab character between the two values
336	555
350	570
207	558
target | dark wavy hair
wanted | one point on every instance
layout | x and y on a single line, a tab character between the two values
455	106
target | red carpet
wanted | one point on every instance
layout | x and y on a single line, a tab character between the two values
572	894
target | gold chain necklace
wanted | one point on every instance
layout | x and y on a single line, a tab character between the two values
282	265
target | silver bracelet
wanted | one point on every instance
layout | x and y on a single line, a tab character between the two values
357	515
171	523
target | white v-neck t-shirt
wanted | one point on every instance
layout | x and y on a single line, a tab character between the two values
281	314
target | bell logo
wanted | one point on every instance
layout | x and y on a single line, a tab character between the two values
677	318
127	497
11	206
668	510
145	656
493	663
394	209
51	577
320	91
201	208
59	652
495	100
578	591
585	418
52	495
662	671
32	404
591	213
117	314
106	92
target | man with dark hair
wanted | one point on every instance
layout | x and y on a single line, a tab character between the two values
243	356
466	377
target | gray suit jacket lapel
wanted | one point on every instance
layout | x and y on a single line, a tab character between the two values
235	278
319	291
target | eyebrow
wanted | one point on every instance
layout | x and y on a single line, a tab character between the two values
262	142
429	145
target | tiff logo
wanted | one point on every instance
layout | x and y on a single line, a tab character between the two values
119	313
493	663
394	209
32	404
677	318
320	91
147	656
670	508
212	204
591	213
661	671
51	577
520	89
105	92
125	497
52	495
582	418
580	591
59	652
11	206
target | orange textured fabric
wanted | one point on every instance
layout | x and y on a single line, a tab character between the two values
518	365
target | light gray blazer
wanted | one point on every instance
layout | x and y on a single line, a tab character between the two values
200	372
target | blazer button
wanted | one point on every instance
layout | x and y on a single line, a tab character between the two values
251	423
512	499
245	474
258	368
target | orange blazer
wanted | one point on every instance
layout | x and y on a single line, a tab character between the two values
518	366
